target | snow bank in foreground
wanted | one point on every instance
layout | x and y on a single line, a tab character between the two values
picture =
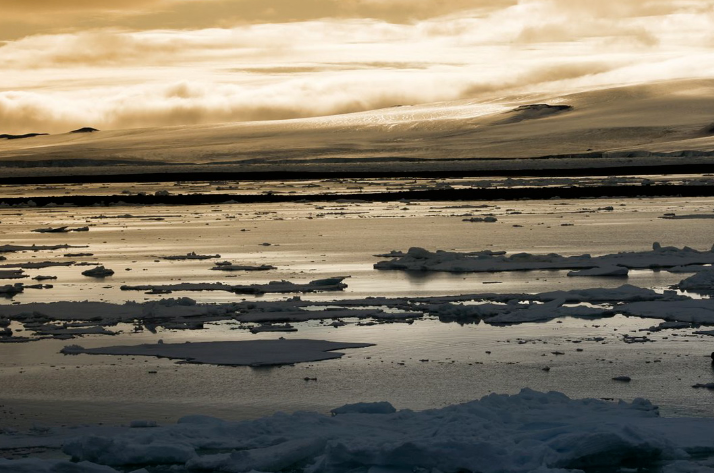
241	353
527	432
33	465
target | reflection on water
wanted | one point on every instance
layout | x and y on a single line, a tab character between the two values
465	362
304	249
427	364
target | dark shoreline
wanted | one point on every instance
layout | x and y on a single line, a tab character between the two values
492	194
192	174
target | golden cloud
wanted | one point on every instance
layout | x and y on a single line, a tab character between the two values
362	55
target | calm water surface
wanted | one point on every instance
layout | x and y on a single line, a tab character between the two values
311	241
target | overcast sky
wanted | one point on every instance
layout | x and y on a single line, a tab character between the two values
136	63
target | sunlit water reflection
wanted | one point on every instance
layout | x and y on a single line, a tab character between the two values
37	384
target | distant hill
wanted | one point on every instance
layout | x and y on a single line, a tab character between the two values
19	137
667	120
86	129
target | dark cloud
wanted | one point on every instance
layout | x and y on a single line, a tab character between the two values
21	19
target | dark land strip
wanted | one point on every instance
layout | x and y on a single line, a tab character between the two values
195	173
491	194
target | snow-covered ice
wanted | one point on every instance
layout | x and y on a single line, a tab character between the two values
527	432
190	256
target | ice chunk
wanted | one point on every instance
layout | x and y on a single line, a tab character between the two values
691	310
117	452
98	272
9	290
365	408
701	281
273	287
242	267
283	456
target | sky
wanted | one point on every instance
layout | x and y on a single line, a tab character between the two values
114	64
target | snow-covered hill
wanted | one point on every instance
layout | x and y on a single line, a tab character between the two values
595	125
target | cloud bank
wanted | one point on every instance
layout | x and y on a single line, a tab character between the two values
335	57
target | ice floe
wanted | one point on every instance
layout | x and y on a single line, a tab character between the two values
527	432
60	230
16	248
12	274
98	272
185	313
9	290
269	327
487	219
420	259
691	268
241	267
190	256
107	313
699	311
232	353
273	287
66	331
701	281
38	264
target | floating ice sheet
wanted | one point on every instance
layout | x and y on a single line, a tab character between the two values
233	353
420	259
